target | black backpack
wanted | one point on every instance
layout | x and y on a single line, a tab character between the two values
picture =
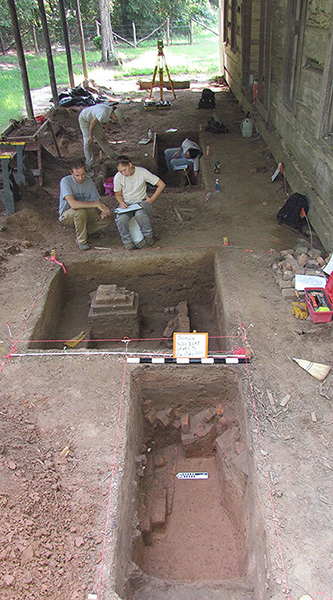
290	213
207	99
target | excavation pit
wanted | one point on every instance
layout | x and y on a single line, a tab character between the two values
189	536
165	288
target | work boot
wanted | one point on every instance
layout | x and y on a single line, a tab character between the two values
85	246
149	241
141	244
130	246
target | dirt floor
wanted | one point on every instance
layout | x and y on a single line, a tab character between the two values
64	418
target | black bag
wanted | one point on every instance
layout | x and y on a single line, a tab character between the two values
207	99
290	213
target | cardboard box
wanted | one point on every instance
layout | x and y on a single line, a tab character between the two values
320	297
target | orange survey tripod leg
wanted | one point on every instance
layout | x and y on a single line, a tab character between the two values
170	81
152	83
159	65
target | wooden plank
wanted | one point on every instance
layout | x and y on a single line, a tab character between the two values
178	85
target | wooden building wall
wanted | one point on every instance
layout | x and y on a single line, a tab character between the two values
286	46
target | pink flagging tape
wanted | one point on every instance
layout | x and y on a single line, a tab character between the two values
54	260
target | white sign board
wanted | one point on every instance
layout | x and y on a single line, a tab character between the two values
190	345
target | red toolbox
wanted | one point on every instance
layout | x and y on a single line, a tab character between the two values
317	298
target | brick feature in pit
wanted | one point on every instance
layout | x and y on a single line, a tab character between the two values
114	313
198	439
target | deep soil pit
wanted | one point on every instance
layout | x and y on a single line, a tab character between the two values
190	531
161	283
173	179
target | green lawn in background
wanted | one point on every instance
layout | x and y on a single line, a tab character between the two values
182	59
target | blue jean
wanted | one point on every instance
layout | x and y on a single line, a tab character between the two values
142	219
176	162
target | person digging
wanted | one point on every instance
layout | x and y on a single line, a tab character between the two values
188	155
80	204
130	188
92	120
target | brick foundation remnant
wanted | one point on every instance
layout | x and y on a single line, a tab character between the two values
114	313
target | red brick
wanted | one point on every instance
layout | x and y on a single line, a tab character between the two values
240	447
158	507
185	423
158	460
182	308
164	416
210	413
146	527
150	417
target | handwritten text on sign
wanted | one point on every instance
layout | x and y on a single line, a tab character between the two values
190	345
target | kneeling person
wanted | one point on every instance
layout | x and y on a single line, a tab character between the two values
130	188
80	204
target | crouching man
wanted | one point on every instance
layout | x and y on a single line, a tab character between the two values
130	188
80	204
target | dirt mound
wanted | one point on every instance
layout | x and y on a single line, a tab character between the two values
27	224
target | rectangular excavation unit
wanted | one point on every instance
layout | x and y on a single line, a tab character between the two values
149	298
190	523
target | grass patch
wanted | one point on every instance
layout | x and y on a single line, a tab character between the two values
182	60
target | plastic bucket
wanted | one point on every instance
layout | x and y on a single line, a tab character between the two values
135	231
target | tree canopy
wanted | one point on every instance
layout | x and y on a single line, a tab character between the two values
122	14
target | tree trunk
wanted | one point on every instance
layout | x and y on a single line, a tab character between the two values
108	51
34	35
2	44
21	59
48	53
82	43
67	44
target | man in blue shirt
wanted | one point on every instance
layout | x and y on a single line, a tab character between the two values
80	204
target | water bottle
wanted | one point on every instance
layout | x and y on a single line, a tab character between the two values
217	186
150	134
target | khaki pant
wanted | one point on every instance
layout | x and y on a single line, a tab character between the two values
86	221
100	139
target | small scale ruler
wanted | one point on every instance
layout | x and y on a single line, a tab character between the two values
192	475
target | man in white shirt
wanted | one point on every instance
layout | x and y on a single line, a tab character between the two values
91	121
130	188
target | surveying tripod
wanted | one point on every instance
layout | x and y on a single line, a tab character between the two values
159	65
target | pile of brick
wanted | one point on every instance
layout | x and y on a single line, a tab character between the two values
302	259
179	319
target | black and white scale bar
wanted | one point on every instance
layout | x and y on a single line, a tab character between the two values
151	360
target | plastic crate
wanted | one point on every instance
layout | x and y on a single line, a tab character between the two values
318	316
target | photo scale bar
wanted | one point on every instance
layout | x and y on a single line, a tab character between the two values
225	360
